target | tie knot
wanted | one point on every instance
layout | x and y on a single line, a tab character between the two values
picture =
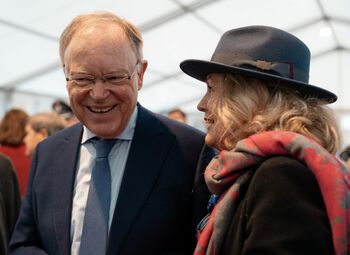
103	147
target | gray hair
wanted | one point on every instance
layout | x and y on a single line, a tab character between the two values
50	121
101	17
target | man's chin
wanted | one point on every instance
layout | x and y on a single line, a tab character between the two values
105	131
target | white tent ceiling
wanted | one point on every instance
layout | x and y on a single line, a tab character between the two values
173	30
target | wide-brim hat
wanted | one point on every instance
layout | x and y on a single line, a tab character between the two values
265	53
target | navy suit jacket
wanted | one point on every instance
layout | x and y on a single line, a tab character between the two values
162	194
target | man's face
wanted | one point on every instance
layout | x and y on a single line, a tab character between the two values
102	107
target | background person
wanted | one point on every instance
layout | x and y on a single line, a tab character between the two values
277	186
65	111
345	156
178	114
155	168
10	201
12	132
39	127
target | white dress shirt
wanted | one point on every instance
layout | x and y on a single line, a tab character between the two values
117	160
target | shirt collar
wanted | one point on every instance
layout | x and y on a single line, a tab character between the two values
126	134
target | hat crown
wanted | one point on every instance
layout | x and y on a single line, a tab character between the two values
268	44
265	53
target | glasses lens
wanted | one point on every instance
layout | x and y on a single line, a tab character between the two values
115	79
83	80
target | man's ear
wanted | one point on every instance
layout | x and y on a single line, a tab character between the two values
141	71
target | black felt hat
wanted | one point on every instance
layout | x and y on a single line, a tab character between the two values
264	53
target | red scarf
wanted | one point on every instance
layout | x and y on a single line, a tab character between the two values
223	177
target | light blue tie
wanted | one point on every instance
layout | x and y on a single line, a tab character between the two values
95	229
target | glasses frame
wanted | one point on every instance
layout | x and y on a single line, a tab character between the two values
93	79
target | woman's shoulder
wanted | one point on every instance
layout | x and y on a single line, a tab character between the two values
283	178
281	160
278	176
282	194
281	166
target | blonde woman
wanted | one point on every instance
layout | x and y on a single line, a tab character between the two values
277	187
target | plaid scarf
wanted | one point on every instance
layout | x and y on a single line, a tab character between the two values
226	173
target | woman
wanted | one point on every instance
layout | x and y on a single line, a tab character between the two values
277	187
12	132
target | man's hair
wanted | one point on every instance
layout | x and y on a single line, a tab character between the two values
50	121
12	127
97	18
248	106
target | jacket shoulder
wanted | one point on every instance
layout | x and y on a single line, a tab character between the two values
283	194
178	127
280	166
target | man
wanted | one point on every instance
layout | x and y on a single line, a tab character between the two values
39	126
157	188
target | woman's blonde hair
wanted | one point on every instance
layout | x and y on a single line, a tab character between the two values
98	18
248	106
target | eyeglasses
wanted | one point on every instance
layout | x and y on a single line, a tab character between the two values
87	81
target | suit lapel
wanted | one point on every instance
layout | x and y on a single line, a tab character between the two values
148	150
64	173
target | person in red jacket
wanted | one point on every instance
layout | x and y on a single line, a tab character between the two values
12	132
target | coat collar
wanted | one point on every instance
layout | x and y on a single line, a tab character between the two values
148	149
64	164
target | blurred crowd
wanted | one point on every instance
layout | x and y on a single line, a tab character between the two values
20	132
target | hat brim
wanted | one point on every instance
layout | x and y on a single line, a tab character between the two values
199	69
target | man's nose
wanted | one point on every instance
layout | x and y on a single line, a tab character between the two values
99	89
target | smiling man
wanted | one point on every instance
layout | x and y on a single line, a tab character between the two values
146	193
